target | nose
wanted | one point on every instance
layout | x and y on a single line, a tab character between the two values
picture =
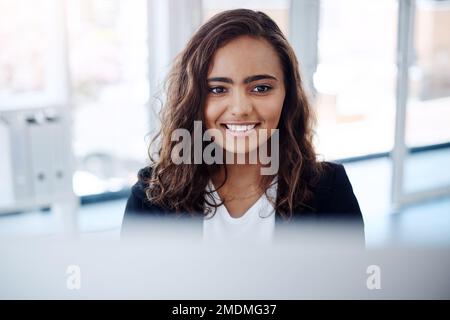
241	105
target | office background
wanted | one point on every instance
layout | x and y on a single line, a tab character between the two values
80	82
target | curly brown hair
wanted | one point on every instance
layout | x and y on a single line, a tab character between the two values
182	187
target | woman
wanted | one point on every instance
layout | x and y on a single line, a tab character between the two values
238	78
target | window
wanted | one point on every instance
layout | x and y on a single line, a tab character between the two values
355	77
31	59
428	111
107	42
428	107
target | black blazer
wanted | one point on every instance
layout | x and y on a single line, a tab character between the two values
333	202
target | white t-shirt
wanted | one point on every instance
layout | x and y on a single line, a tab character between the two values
256	225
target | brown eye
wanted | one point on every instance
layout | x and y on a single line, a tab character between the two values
262	89
216	90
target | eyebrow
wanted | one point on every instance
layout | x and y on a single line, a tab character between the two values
246	80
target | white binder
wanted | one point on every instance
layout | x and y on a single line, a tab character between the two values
61	157
6	185
39	136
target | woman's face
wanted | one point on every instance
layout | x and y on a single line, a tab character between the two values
246	93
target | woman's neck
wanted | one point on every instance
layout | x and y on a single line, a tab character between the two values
241	189
240	179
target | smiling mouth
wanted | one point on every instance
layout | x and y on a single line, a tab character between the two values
240	128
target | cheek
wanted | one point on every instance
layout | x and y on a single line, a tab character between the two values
212	112
270	111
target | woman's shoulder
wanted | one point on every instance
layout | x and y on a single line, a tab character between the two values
142	184
138	201
139	209
333	193
334	204
332	174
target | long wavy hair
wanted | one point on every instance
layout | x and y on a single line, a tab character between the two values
182	187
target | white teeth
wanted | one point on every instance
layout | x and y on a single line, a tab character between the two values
240	128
